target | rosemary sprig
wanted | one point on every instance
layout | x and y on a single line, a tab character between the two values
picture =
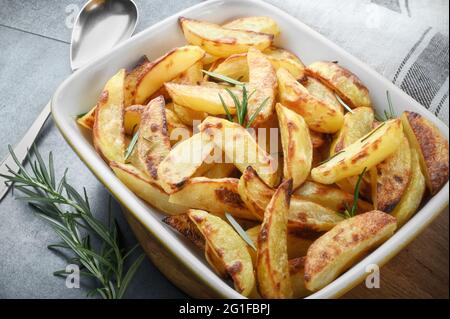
79	116
224	78
388	114
330	158
239	230
373	132
132	145
348	108
69	214
349	213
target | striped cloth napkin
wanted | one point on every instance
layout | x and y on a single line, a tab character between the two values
404	40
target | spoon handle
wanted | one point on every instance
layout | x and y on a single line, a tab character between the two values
21	149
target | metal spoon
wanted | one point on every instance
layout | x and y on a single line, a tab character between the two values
100	25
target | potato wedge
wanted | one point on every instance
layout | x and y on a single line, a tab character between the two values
240	148
208	59
412	197
183	224
346	84
189	116
177	130
256	24
220	170
193	75
330	197
281	58
235	67
337	250
153	144
368	151
321	113
297	246
263	84
297	145
272	259
132	80
183	161
154	74
108	131
390	178
215	262
87	119
216	196
202	98
432	146
297	276
229	246
132	118
222	42
144	188
310	217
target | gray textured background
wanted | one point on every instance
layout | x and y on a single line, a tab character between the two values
34	59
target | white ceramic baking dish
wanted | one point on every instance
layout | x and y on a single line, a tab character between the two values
170	252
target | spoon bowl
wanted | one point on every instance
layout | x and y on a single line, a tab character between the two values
100	25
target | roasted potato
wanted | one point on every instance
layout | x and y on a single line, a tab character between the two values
240	148
310	217
132	79
390	178
213	195
319	111
132	118
183	161
255	24
220	41
192	75
272	268
366	152
235	67
215	262
220	170
87	119
146	189
281	58
297	276
108	131
346	84
337	250
297	145
432	146
183	224
412	197
189	116
177	130
229	247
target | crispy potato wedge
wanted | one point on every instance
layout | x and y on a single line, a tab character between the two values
346	84
337	250
193	75
368	151
281	58
256	24
220	170
183	224
202	98
132	80
229	247
297	275
310	217
153	144
272	259
297	246
297	145
183	161
320	112
146	189
189	116
87	120
390	178
220	41
263	85
412	197
215	262
330	197
432	146
152	75
240	148
235	67
213	195
108	131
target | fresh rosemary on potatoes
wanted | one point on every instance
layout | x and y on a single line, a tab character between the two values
351	212
69	214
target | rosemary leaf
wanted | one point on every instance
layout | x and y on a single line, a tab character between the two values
373	131
255	114
223	78
225	107
330	158
132	145
348	213
239	230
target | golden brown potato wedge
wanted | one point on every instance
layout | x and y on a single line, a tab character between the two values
183	224
153	144
390	178
262	85
189	116
202	98
337	250
321	113
192	75
220	41
220	170
108	131
412	197
177	130
366	152
256	24
215	262
240	148
297	145
330	197
346	84
209	59
144	188
281	58
183	161
310	217
272	259
297	275
213	195
132	118
132	79
432	146
229	247
235	67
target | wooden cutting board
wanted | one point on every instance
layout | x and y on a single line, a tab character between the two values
419	271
